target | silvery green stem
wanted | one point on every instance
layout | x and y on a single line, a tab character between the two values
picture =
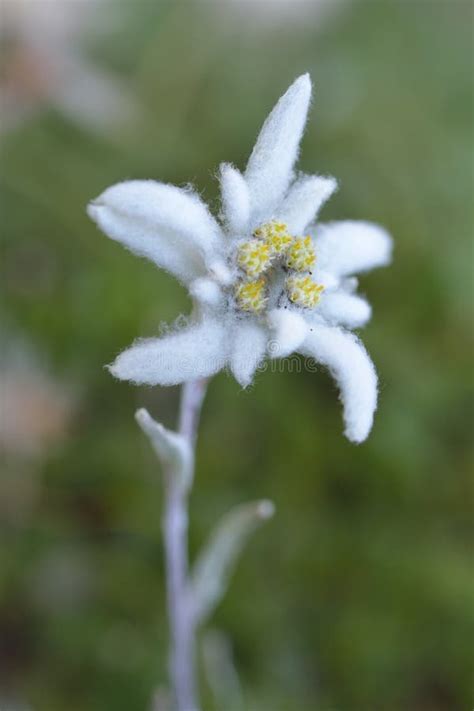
175	531
192	597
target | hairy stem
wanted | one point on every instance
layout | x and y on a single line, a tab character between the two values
175	531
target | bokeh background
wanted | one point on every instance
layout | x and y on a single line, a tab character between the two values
358	594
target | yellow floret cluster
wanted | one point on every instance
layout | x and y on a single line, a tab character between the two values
253	257
272	243
301	255
251	295
276	236
302	290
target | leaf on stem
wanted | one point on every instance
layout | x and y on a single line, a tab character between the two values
174	451
216	563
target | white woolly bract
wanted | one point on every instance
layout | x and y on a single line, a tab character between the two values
218	270
288	331
162	247
270	166
174	228
304	200
194	352
325	278
347	360
235	200
206	291
249	342
351	246
170	225
344	309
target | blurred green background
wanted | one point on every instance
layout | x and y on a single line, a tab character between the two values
358	594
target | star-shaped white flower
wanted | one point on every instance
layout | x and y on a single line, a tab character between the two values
266	281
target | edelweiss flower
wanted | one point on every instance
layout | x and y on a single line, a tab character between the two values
267	274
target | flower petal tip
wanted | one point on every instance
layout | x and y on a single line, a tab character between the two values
304	81
244	382
92	210
301	88
115	370
123	368
142	416
388	239
265	509
357	436
332	184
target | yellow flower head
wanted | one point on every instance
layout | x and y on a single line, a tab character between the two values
303	291
276	236
253	257
301	255
251	295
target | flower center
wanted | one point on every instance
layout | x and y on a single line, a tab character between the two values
251	295
302	290
270	253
